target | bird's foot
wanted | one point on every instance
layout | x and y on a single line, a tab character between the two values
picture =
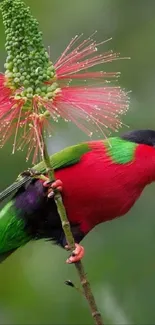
53	187
77	254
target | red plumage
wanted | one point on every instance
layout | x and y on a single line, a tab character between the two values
97	189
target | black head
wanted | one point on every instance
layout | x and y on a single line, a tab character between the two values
140	136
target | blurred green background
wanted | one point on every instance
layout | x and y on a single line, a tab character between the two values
120	255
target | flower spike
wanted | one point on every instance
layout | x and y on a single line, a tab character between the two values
33	91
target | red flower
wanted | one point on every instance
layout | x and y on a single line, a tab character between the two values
94	105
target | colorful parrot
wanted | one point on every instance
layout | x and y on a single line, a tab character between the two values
99	181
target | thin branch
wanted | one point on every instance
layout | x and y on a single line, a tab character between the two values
70	240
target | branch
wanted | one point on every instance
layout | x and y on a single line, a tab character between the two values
69	237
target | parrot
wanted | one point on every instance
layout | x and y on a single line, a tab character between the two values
99	181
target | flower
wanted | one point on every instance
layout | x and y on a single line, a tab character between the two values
33	91
95	105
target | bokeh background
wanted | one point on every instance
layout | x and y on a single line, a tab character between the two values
120	255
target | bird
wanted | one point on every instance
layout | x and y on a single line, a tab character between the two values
99	181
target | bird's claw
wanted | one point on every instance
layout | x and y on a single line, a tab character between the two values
77	254
53	186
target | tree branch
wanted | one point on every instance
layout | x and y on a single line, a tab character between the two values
69	237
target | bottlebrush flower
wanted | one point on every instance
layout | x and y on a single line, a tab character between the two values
33	91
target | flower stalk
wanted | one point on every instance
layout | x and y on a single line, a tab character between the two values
70	240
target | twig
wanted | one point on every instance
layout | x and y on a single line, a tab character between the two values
69	237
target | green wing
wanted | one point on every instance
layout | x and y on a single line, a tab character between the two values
66	157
